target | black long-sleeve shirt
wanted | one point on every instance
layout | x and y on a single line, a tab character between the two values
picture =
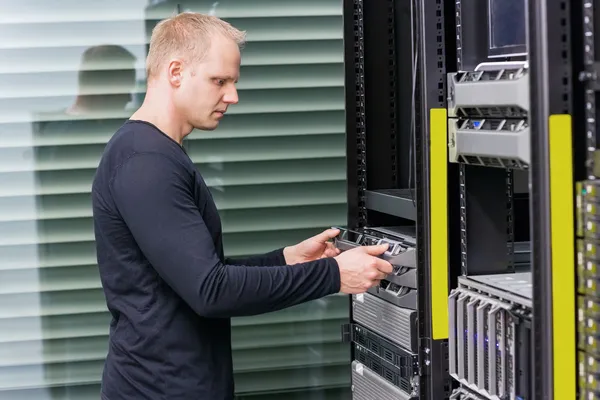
167	284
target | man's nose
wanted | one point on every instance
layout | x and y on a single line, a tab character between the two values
231	97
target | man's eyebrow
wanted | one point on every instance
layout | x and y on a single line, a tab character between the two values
227	78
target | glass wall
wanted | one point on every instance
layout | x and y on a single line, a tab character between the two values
71	72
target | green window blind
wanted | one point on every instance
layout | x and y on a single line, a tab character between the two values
276	167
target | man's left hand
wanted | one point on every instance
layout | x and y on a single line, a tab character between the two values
312	248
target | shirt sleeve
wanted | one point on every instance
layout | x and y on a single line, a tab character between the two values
154	196
272	258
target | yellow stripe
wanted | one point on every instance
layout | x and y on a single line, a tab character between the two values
563	257
438	180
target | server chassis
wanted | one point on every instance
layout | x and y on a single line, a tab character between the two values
476	154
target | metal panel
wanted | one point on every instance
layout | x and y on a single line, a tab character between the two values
551	89
401	251
452	333
404	277
496	336
563	256
469	93
395	364
586	114
517	287
439	254
461	328
397	295
354	54
472	304
490	338
392	322
485	236
431	35
586	165
482	371
496	143
381	90
465	394
367	385
397	202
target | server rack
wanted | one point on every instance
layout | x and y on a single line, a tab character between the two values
474	141
397	191
490	134
532	91
552	198
585	55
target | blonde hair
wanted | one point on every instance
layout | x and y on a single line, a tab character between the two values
187	35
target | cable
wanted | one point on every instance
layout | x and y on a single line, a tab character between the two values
414	35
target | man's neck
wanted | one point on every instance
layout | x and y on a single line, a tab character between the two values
163	117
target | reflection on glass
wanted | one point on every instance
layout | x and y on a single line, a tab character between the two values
507	27
70	74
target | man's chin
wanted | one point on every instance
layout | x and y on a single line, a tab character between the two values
207	127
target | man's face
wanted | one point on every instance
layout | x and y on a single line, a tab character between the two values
208	87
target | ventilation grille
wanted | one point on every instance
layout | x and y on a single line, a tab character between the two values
491	112
494	162
481	343
504	74
367	385
464	394
469	93
391	362
395	323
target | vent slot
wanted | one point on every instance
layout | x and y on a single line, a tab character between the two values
472	339
483	347
388	355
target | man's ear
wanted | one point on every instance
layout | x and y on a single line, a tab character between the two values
175	72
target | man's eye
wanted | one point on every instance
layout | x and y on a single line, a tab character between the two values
220	82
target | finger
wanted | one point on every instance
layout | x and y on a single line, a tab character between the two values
331	252
377	275
377	249
327	235
331	246
381	275
384	266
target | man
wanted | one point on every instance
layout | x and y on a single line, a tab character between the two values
168	287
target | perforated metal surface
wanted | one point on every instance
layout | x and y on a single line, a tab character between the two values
392	322
366	385
517	287
469	94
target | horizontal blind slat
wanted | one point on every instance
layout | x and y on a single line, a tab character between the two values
65	326
303	377
87	372
41	183
82	251
216	155
231	126
46	304
234	221
125	33
110	82
26	208
51	158
90	392
39	59
251	102
28	353
27	11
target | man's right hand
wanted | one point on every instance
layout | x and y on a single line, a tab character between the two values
361	269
